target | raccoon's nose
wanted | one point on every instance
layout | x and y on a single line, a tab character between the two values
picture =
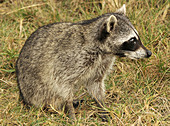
149	53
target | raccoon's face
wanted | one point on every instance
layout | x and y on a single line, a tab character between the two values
129	45
121	38
134	49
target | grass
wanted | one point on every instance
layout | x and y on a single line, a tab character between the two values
137	91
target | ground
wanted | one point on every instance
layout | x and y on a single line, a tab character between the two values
137	91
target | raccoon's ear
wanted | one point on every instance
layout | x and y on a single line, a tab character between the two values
111	22
107	26
122	10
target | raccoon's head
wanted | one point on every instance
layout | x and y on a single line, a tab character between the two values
120	37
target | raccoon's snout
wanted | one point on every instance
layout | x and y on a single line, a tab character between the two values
149	53
141	52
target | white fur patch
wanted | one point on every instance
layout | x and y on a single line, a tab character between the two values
128	37
138	54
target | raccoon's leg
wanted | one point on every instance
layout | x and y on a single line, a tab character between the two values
68	99
63	97
97	90
70	109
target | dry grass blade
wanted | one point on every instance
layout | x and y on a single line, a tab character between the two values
26	7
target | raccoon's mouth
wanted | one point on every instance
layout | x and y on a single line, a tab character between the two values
127	55
120	54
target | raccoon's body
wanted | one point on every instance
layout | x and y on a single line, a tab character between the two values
59	58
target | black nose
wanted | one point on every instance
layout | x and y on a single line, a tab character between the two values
149	53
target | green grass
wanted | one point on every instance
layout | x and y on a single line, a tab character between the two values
137	91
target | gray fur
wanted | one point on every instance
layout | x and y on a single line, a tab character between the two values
59	58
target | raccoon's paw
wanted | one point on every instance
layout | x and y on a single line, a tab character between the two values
76	103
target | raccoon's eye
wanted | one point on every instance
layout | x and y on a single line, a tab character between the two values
130	45
133	40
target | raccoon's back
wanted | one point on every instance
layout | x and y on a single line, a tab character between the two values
42	41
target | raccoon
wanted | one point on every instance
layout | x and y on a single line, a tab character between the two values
59	58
